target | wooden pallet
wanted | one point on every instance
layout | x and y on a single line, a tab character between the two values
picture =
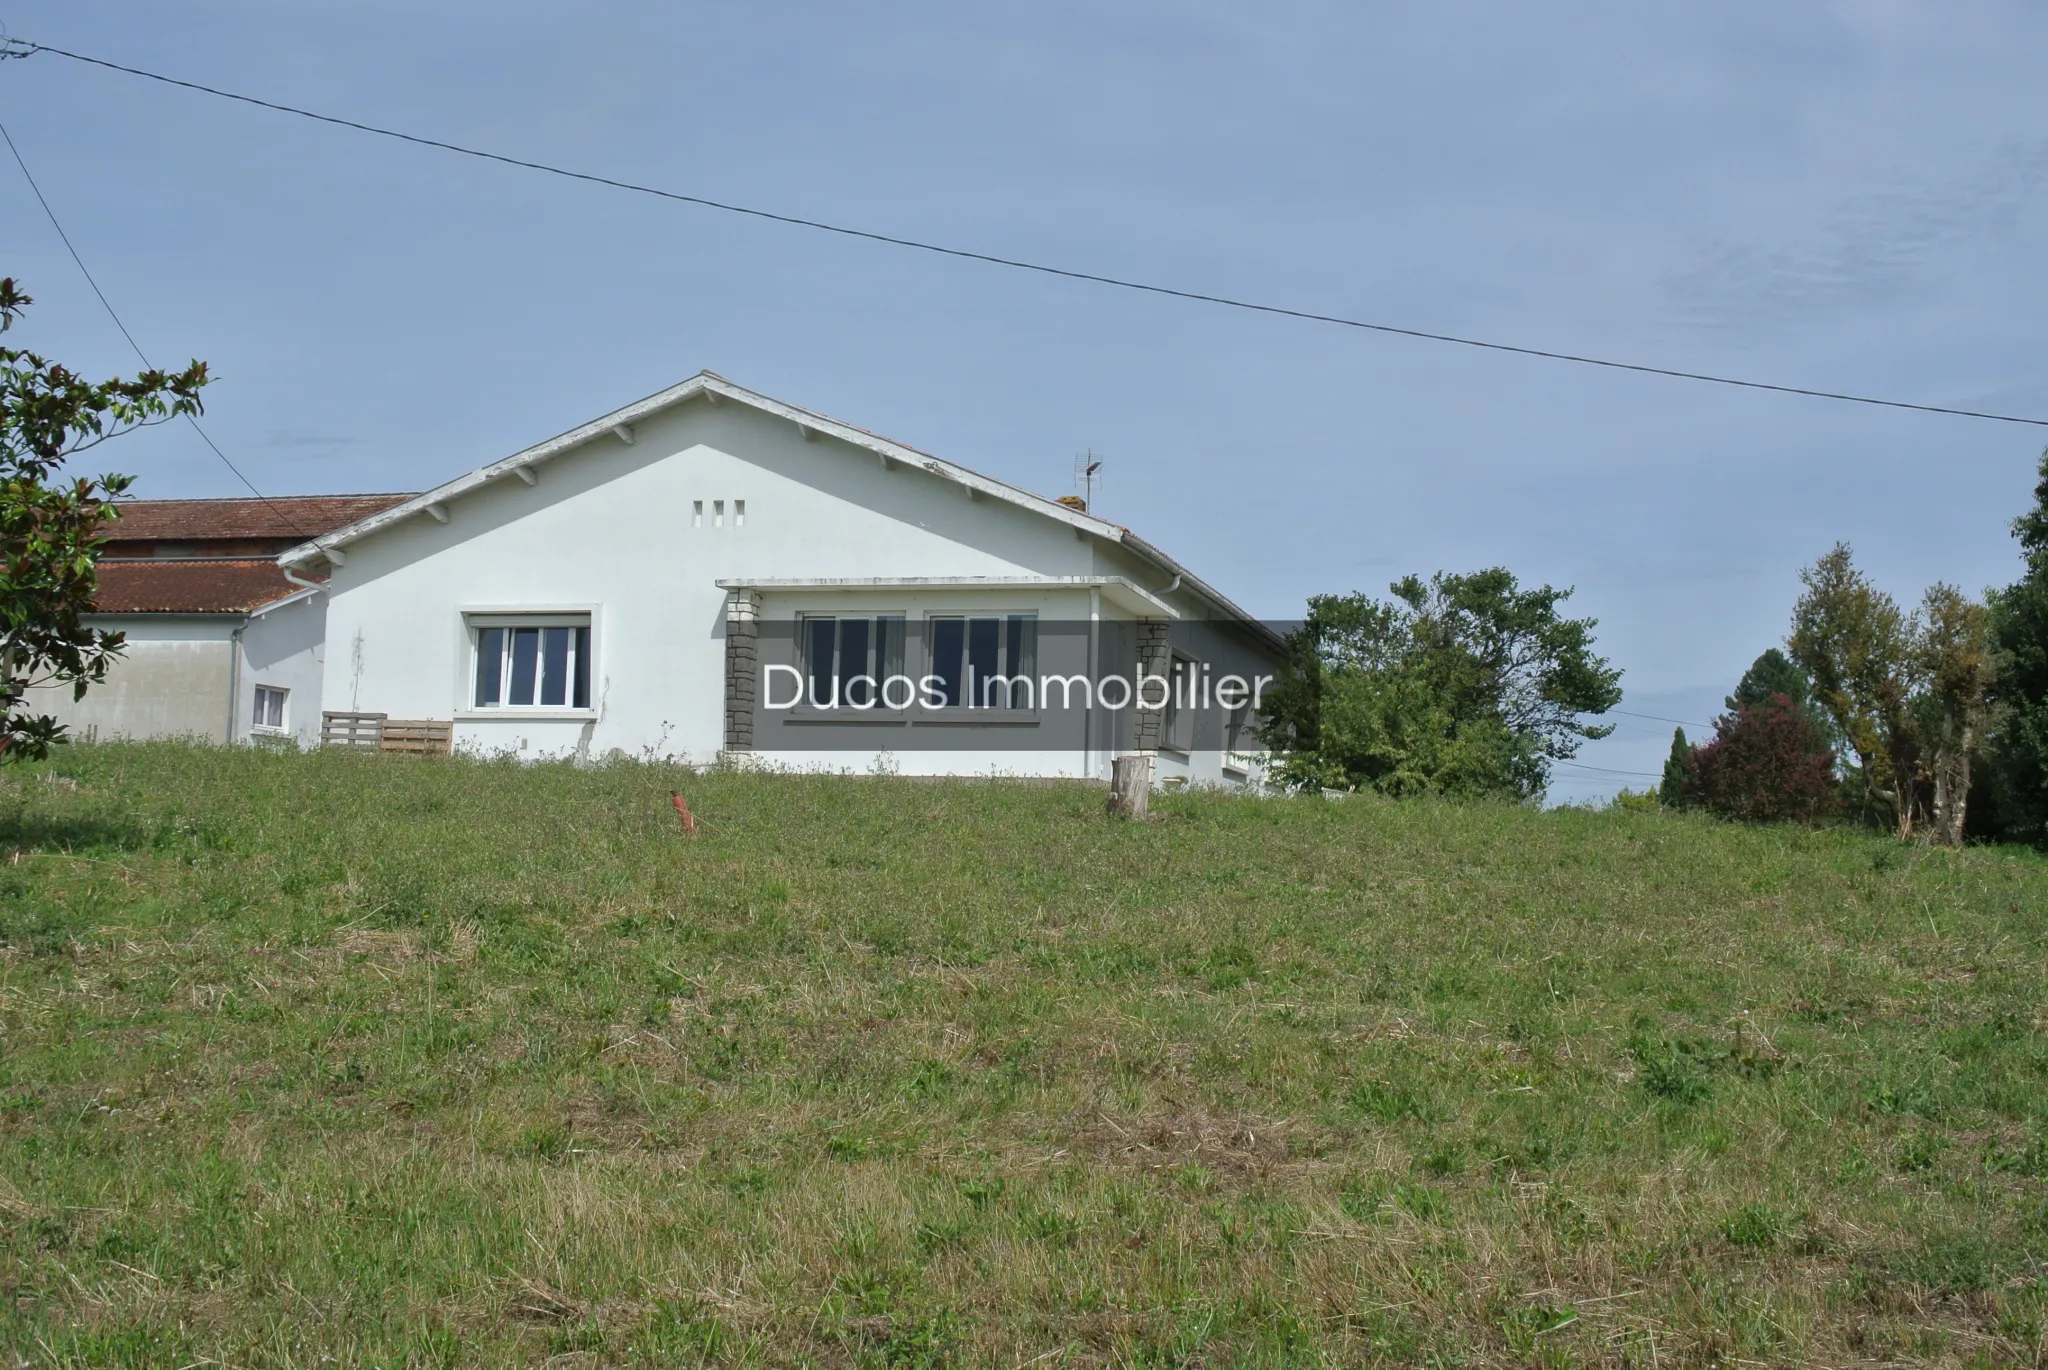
428	736
352	730
381	733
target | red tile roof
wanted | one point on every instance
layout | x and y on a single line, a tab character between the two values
299	517
190	585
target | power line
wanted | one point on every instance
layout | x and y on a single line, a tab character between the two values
108	306
23	47
1655	718
1607	770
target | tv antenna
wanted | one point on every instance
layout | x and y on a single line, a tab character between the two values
1087	476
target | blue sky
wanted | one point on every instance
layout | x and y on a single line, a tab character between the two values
1844	196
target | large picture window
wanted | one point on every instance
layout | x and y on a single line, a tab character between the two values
848	661
984	662
537	662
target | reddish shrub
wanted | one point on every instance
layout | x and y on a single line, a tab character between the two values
1768	763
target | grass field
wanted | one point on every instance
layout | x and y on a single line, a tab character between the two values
343	1060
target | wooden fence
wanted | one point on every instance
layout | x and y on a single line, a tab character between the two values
379	733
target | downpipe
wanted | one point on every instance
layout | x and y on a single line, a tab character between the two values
235	678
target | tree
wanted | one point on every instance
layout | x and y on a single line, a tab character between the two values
1769	762
1772	673
1671	789
2018	741
1953	655
1856	646
1462	684
51	528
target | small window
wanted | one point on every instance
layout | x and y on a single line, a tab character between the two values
850	662
985	662
1177	730
696	513
718	513
739	513
269	709
541	662
1238	739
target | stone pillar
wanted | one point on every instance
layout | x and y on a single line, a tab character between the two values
1155	659
742	668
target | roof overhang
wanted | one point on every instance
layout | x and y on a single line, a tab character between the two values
1119	591
618	427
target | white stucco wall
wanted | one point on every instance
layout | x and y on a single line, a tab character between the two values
174	676
171	681
612	529
283	647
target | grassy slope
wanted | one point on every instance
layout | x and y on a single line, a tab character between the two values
415	1062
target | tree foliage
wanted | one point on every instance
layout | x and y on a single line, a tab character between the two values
1956	669
1910	694
1852	640
1671	787
1768	762
2018	742
1772	673
51	528
1462	684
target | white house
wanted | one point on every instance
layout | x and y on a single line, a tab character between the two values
710	572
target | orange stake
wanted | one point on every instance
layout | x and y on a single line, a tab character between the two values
675	797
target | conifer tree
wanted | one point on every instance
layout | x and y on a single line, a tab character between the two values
1671	789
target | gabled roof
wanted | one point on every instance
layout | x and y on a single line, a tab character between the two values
190	585
202	520
617	426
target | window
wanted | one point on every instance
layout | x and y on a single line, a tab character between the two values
985	663
718	513
269	709
739	513
696	513
1238	739
537	662
848	662
1177	730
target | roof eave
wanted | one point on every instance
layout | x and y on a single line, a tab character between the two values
1136	598
701	383
1202	588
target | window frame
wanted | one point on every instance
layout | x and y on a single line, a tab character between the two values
1177	715
805	707
472	620
283	724
971	711
1238	728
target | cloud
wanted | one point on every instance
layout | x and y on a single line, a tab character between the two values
1872	249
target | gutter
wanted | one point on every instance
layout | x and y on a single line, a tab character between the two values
235	677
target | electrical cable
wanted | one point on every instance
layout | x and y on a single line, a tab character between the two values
1607	770
1655	718
108	306
22	47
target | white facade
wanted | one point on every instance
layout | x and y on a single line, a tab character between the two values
644	521
283	648
196	676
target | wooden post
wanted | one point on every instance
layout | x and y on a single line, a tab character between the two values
1130	786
